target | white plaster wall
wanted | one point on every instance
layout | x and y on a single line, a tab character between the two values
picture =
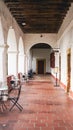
41	54
67	22
65	41
64	46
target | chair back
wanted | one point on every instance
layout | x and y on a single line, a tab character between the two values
15	92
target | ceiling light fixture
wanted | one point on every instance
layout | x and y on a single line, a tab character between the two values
41	35
23	23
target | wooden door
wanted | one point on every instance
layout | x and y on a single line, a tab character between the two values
68	70
40	66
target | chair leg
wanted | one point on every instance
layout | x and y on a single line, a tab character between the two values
17	104
3	107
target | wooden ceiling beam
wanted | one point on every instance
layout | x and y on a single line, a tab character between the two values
33	13
36	10
36	2
39	15
34	5
39	20
34	17
47	30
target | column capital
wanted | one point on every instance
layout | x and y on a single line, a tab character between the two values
4	46
15	52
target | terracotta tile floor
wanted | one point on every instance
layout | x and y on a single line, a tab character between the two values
45	107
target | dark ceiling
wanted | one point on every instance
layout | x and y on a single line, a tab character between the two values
39	16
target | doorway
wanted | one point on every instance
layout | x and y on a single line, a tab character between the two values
41	65
68	70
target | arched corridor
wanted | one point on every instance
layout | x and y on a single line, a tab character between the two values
18	56
36	37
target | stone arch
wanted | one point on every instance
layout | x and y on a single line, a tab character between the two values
12	52
21	57
46	44
30	46
49	39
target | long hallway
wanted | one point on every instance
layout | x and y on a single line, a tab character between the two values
45	107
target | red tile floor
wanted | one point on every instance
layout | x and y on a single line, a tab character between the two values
45	107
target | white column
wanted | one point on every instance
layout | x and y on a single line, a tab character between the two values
26	64
3	62
21	58
12	63
30	61
17	52
57	62
56	59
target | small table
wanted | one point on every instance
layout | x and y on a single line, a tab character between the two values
3	90
3	97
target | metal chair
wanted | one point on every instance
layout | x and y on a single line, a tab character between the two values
14	99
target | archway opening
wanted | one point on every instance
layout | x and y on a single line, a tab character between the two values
39	60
